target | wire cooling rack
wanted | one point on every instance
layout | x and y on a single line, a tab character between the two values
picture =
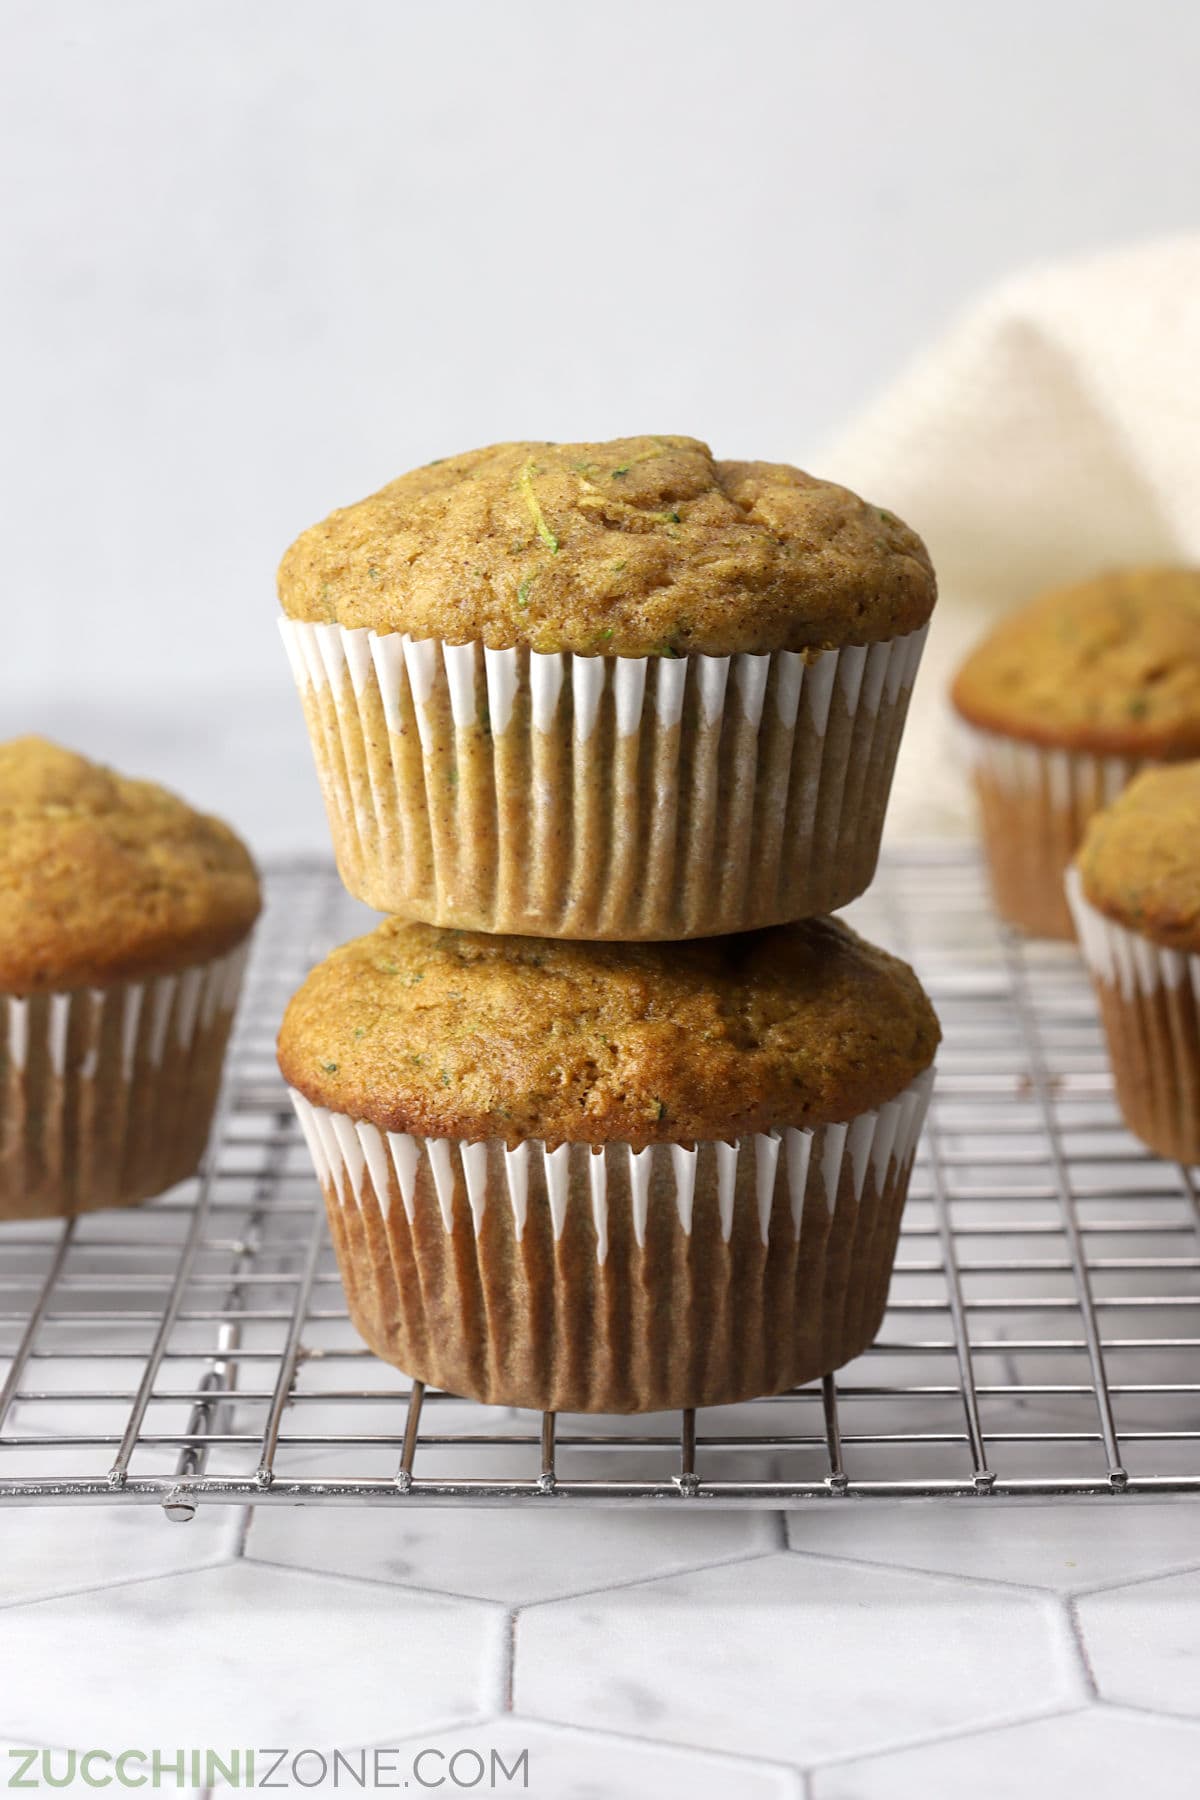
1043	1335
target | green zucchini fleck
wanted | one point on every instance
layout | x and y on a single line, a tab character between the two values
525	483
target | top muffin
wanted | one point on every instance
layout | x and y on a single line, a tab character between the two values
1110	665
1139	862
104	879
645	546
457	1034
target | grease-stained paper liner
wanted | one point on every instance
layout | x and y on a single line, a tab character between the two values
107	1094
1149	1000
1035	805
601	797
605	1279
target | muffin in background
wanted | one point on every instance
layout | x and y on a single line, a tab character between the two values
1064	702
597	1177
1135	895
124	918
617	690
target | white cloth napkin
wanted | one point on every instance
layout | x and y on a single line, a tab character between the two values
1054	432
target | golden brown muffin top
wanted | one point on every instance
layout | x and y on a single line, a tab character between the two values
103	879
457	1034
1110	665
641	547
1140	858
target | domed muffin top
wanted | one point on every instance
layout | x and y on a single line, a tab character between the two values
104	879
645	546
1139	862
455	1034
1110	665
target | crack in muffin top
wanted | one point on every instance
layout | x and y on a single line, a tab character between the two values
645	546
105	879
462	1035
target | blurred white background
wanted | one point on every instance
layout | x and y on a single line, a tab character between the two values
262	255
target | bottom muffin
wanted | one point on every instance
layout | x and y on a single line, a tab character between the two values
1135	896
593	1177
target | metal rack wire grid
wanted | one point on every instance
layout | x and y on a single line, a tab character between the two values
1043	1333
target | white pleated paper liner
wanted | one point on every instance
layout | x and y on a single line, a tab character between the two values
607	1279
106	1094
358	1165
1125	959
1036	803
609	797
1149	997
1069	779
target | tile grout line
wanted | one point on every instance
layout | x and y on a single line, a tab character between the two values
807	1771
508	1668
1074	1625
305	1570
1140	1711
256	1560
952	1576
242	1534
621	1587
1075	1591
1087	1589
955	1735
1098	1705
250	1562
632	1741
119	1581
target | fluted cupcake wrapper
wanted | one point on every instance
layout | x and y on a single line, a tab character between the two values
1036	803
1149	1000
601	797
107	1094
604	1278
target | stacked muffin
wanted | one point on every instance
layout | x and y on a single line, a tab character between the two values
572	706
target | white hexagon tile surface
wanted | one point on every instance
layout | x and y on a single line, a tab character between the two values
65	1550
793	1659
1143	1643
244	1655
1065	1547
1094	1753
892	1650
517	1557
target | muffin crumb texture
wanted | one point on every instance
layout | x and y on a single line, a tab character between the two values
106	879
455	1034
1110	665
645	546
1140	859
